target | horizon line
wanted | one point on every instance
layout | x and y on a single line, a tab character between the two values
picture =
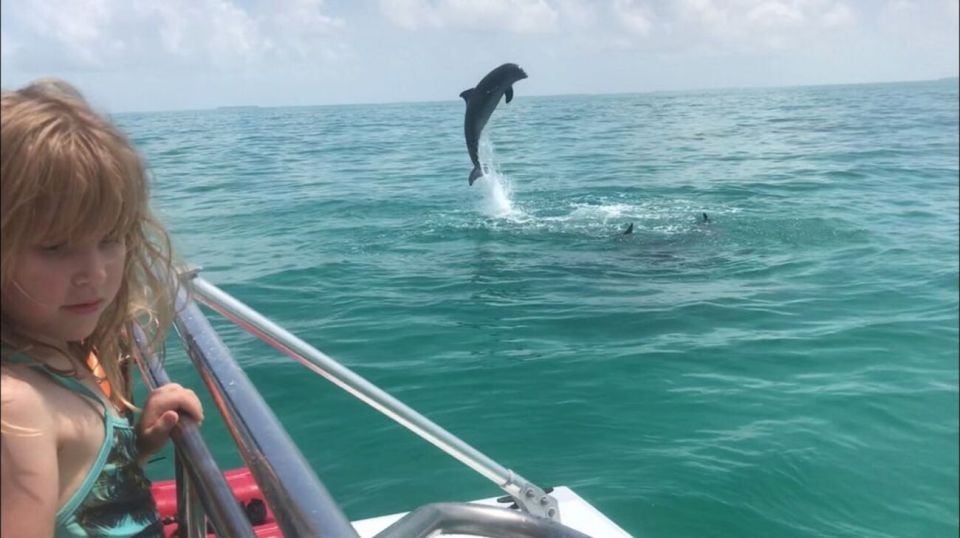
574	94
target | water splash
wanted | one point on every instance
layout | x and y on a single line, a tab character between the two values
497	189
597	216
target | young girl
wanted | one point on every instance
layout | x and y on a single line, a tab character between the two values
83	260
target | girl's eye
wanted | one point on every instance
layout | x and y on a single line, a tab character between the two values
53	248
112	242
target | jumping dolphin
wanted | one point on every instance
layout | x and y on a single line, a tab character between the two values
481	101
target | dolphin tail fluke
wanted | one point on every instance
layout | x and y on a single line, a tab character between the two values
475	173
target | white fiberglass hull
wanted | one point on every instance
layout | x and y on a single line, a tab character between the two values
575	513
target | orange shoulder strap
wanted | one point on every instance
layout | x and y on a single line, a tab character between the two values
98	372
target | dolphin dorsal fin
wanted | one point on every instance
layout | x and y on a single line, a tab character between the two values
509	93
466	94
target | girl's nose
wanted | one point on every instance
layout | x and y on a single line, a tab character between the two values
92	270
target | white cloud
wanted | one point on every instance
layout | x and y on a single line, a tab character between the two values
774	15
517	16
926	24
301	29
839	16
578	14
634	16
735	26
209	34
150	54
712	26
410	14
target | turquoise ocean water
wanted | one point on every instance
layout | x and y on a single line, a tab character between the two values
787	369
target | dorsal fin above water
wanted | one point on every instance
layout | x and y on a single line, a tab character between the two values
466	94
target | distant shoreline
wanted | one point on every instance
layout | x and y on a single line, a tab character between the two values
226	108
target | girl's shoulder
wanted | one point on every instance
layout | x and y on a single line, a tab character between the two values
29	439
17	378
25	402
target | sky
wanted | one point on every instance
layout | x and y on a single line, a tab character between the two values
145	55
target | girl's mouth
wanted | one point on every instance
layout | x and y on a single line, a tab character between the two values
84	308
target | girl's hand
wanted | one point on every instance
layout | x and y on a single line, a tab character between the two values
161	413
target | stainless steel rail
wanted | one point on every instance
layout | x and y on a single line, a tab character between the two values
191	522
203	478
528	496
300	503
475	520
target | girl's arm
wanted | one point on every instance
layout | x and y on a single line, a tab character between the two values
29	479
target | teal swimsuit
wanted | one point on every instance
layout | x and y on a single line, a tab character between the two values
114	499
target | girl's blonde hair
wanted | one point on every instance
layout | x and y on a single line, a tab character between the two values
69	173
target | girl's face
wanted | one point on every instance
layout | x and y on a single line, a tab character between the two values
60	290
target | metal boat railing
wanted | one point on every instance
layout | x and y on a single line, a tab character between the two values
193	456
301	504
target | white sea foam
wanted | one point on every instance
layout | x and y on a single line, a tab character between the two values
497	201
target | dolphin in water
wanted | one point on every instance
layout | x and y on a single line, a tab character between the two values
629	230
481	100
